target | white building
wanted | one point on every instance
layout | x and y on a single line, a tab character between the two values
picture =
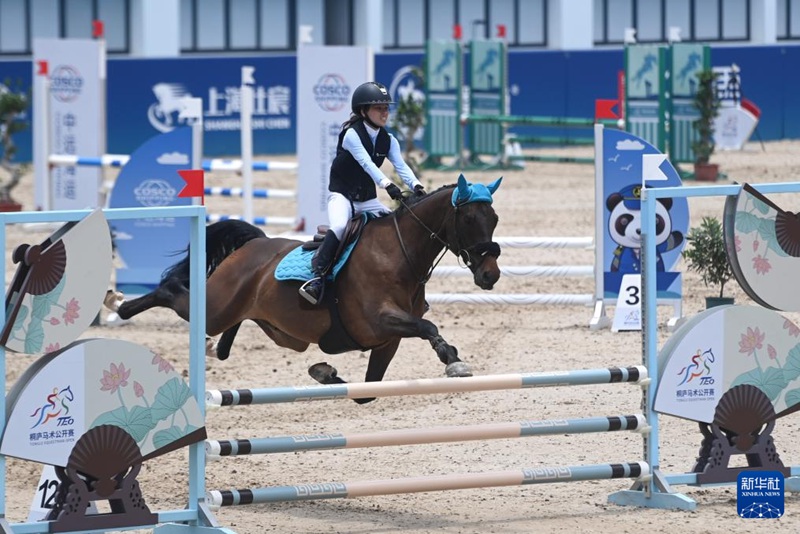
169	28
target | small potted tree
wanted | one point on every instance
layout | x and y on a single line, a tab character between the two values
409	117
707	104
705	254
12	105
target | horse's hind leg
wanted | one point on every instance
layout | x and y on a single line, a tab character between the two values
379	360
170	294
327	374
113	300
222	349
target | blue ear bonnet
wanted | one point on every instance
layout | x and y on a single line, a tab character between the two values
465	192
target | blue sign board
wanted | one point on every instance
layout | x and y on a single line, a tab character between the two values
144	93
150	179
622	181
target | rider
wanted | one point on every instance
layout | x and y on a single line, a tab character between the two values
363	145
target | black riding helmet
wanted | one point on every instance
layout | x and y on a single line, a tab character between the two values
369	93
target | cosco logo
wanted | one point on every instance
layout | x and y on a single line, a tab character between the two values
66	83
331	92
154	193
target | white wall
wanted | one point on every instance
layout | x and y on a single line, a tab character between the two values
571	24
155	28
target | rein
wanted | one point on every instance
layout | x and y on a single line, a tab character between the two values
431	235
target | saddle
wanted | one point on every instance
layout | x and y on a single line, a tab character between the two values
351	233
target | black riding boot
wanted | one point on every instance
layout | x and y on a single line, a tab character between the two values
321	264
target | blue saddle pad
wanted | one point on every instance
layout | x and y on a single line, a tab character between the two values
297	264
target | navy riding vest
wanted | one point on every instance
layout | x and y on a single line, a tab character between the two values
347	176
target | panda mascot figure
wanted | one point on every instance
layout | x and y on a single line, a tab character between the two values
625	228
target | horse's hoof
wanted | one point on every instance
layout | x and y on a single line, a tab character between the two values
457	369
113	299
211	348
322	372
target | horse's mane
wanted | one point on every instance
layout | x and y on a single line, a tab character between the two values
414	200
222	238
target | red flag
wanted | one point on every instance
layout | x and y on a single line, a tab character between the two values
194	184
42	64
604	109
457	32
501	31
97	29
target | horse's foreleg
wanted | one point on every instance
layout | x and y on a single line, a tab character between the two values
405	325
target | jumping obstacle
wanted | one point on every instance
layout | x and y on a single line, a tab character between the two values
532	299
216	164
208	165
555	122
488	118
215	449
195	517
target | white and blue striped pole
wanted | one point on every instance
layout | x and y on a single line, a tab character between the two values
426	386
215	449
258	221
350	490
208	165
257	193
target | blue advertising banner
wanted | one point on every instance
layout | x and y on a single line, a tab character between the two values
541	82
151	179
621	197
144	95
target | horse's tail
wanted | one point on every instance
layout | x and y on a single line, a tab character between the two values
222	238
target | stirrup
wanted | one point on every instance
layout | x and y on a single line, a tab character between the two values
308	296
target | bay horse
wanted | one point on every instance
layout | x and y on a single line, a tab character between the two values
377	298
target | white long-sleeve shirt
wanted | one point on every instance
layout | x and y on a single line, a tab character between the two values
352	143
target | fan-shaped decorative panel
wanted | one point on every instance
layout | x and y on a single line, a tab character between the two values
725	347
763	243
94	384
59	286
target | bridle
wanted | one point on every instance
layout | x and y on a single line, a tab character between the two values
472	256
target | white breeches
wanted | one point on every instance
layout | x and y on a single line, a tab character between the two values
341	210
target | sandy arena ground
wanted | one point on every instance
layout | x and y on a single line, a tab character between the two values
542	200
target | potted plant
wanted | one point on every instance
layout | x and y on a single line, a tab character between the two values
12	106
707	104
409	116
706	254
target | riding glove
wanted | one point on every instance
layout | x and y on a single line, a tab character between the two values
419	190
394	192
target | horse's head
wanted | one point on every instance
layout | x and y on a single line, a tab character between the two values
469	233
